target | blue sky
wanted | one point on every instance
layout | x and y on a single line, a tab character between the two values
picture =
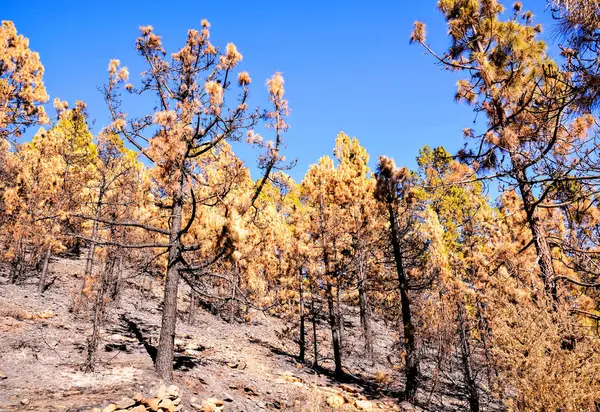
348	65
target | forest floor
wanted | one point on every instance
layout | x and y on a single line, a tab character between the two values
251	366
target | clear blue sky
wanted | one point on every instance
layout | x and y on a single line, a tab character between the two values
347	64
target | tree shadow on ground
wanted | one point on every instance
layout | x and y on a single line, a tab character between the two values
369	388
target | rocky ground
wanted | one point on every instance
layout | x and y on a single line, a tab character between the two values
219	366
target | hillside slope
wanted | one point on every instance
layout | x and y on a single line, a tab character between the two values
250	366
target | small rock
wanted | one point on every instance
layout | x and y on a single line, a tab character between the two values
125	403
291	378
73	392
251	390
167	404
207	407
151	403
46	314
110	408
336	401
139	408
138	397
161	392
215	401
350	389
210	405
363	405
194	346
3	375
172	392
192	353
207	380
25	401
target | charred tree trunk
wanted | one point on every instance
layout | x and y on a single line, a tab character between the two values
335	335
44	274
538	232
89	263
16	265
338	311
164	356
331	304
363	304
465	355
192	308
412	360
314	329
15	269
233	297
99	315
302	354
117	278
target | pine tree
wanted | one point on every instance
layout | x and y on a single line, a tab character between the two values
191	122
22	88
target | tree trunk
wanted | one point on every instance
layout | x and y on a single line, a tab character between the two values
89	263
16	265
99	314
412	360
335	336
17	262
232	301
302	355
338	312
538	232
116	284
164	356
333	317
192	308
15	271
44	274
314	328
465	355
363	304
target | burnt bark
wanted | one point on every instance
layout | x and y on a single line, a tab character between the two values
192	308
164	355
335	335
412	359
538	232
44	273
363	304
99	314
314	329
465	356
115	291
302	354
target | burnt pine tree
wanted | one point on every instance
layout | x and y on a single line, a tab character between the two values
190	121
